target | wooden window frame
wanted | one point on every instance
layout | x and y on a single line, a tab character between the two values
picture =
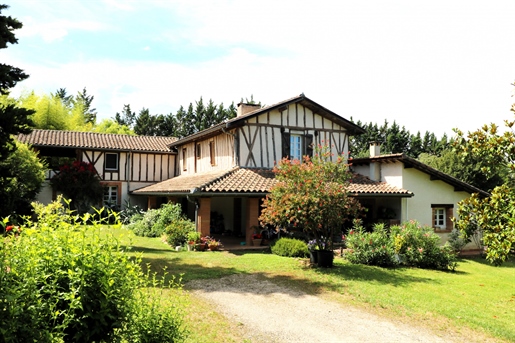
118	186
306	143
212	153
448	215
184	158
198	151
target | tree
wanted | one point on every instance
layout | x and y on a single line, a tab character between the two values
82	102
312	196
13	119
127	117
111	126
9	75
495	215
79	182
466	169
21	188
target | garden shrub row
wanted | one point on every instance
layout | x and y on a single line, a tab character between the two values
409	244
65	282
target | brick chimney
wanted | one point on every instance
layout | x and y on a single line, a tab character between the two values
244	108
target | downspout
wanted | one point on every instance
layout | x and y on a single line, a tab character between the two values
236	146
195	202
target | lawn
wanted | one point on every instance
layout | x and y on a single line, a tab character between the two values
477	299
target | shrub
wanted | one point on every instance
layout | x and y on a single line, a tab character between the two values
60	281
155	222
177	232
144	226
289	247
419	246
372	248
130	212
410	245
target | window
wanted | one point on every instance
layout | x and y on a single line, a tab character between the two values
111	161
442	217
295	145
184	164
439	217
111	196
212	152
198	151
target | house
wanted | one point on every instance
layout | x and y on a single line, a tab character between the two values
123	162
221	175
435	194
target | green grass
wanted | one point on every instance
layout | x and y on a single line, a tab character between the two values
476	297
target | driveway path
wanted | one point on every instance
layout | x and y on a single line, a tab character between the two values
271	313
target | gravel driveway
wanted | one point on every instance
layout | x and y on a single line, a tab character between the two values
271	313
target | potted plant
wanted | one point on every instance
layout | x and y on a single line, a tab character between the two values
213	244
257	238
193	240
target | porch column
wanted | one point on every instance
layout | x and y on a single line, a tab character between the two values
252	218
204	216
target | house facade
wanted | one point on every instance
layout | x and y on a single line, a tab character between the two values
221	175
436	194
123	162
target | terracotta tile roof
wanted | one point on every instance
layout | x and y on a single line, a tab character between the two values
362	185
253	181
241	120
413	163
93	140
244	180
183	183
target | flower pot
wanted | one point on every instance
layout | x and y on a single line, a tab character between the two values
325	258
191	247
202	247
313	257
257	242
213	247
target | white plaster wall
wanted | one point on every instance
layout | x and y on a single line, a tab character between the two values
428	192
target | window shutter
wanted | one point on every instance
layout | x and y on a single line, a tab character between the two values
308	145
285	144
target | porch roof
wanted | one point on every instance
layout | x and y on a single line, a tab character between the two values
253	181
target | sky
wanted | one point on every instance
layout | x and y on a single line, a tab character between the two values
428	65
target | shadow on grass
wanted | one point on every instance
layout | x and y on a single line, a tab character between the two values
510	263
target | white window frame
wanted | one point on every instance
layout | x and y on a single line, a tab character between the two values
117	161
439	219
110	195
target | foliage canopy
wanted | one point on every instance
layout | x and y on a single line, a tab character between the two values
311	195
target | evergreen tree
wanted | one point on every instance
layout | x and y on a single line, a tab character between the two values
13	119
83	102
144	123
127	117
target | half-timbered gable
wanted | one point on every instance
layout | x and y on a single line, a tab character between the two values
291	131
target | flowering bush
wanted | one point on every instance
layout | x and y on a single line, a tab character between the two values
372	248
80	183
311	196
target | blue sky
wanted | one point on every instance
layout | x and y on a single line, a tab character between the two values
431	65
